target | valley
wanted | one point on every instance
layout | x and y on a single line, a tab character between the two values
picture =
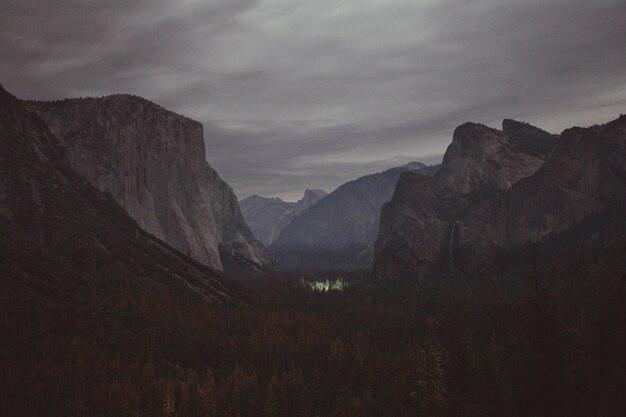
134	283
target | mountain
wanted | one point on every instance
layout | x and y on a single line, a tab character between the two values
153	162
309	198
482	159
61	238
528	139
494	195
267	217
339	231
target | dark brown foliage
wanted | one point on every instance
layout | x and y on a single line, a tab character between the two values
455	349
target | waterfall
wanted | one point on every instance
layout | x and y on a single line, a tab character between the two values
453	228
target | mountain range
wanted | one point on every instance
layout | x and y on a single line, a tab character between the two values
267	217
495	192
339	231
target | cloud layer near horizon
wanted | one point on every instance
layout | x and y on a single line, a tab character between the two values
298	95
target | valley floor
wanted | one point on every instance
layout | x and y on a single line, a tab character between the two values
458	347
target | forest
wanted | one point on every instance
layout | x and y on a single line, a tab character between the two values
529	344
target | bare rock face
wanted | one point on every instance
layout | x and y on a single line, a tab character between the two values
528	139
339	231
585	174
414	227
153	163
267	217
484	159
310	198
437	225
62	237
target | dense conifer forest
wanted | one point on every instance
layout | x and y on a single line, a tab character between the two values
542	344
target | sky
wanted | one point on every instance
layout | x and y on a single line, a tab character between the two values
310	94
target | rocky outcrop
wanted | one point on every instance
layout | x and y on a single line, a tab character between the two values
310	198
585	174
481	159
528	139
267	217
62	237
153	163
339	231
438	225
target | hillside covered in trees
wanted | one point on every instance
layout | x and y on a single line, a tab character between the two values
549	345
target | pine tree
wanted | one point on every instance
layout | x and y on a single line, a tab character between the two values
432	391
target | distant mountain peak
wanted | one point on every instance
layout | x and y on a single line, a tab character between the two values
315	193
268	216
412	166
340	229
257	197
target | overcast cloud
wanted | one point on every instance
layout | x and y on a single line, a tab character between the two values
310	94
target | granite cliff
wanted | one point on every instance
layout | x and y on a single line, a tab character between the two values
267	217
498	191
153	162
482	159
62	238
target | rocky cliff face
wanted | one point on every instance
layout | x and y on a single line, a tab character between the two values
152	161
586	173
310	198
484	159
62	237
267	217
339	231
528	139
507	199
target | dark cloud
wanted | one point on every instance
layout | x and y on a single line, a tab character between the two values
311	94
